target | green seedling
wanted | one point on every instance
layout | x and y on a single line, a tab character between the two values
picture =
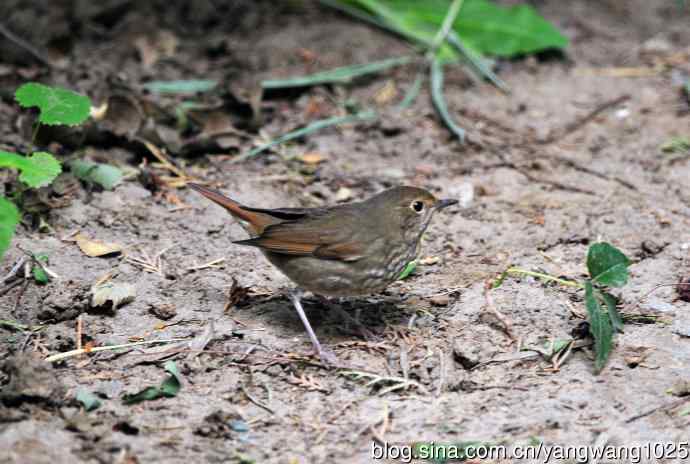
409	269
168	388
56	106
105	175
608	268
181	87
39	169
88	400
38	271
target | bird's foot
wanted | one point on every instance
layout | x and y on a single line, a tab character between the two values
327	357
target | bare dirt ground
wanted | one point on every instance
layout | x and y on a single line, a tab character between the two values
533	196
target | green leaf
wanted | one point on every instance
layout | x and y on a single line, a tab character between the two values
56	105
37	170
611	305
172	385
340	75
105	175
181	87
311	127
9	218
88	400
40	275
482	25
506	31
409	269
607	265
599	326
168	388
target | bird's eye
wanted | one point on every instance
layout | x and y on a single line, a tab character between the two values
417	206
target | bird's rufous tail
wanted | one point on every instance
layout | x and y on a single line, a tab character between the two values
256	221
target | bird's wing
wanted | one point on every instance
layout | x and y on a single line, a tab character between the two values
318	235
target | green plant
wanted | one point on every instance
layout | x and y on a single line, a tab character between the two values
56	106
169	387
608	268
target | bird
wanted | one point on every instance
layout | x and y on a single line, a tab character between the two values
343	250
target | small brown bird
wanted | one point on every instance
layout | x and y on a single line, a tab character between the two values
344	250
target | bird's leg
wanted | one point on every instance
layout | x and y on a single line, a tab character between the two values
325	355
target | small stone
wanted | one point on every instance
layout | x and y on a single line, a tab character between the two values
343	194
656	46
467	355
440	300
164	311
429	260
658	305
680	388
651	247
392	173
463	192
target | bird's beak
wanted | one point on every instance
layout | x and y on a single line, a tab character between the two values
440	204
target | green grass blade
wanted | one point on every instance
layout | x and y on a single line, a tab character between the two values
440	101
312	127
181	86
448	21
340	75
476	62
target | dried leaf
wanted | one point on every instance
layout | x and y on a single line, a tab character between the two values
312	158
96	248
117	293
236	294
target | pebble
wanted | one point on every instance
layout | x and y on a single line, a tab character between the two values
343	194
466	355
463	192
440	300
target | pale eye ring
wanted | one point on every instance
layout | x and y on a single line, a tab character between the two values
417	206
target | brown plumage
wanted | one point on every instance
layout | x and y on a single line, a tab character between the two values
344	250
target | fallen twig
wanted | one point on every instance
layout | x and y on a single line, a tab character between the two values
580	122
663	407
256	402
507	323
399	383
77	352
